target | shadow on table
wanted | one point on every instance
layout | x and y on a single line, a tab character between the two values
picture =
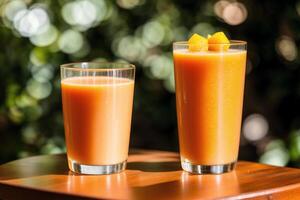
35	166
154	166
57	165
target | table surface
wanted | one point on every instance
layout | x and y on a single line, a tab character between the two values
149	175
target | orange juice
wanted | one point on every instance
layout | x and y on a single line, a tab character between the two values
209	98
97	117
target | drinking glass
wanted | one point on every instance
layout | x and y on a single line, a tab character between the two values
209	100
97	103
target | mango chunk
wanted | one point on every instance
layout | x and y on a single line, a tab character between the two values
218	42
197	43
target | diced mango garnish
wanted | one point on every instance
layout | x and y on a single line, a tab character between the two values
197	43
218	42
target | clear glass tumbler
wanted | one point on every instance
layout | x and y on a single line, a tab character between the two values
97	103
209	101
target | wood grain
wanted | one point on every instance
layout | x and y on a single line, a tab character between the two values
149	175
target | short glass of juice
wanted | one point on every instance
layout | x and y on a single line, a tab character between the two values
209	100
97	103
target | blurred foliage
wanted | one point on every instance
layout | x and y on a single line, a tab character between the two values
37	36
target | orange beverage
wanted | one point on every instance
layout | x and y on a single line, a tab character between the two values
97	118
209	99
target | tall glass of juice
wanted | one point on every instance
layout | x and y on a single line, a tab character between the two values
209	101
97	103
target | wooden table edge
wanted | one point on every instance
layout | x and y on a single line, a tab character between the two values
25	190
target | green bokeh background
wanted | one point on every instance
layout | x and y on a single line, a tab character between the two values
36	36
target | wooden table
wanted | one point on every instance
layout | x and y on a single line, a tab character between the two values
149	175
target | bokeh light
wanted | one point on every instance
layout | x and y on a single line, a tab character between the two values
220	6
15	114
13	7
30	134
255	127
83	51
54	145
24	100
153	34
275	154
84	13
38	56
38	90
294	142
32	21
71	41
160	66
42	73
233	13
287	48
100	60
131	48
129	4
45	38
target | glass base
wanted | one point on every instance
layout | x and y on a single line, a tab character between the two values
96	169
206	169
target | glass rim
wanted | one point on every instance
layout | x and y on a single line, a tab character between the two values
122	66
231	43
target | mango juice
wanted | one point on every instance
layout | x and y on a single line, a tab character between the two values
209	99
97	118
